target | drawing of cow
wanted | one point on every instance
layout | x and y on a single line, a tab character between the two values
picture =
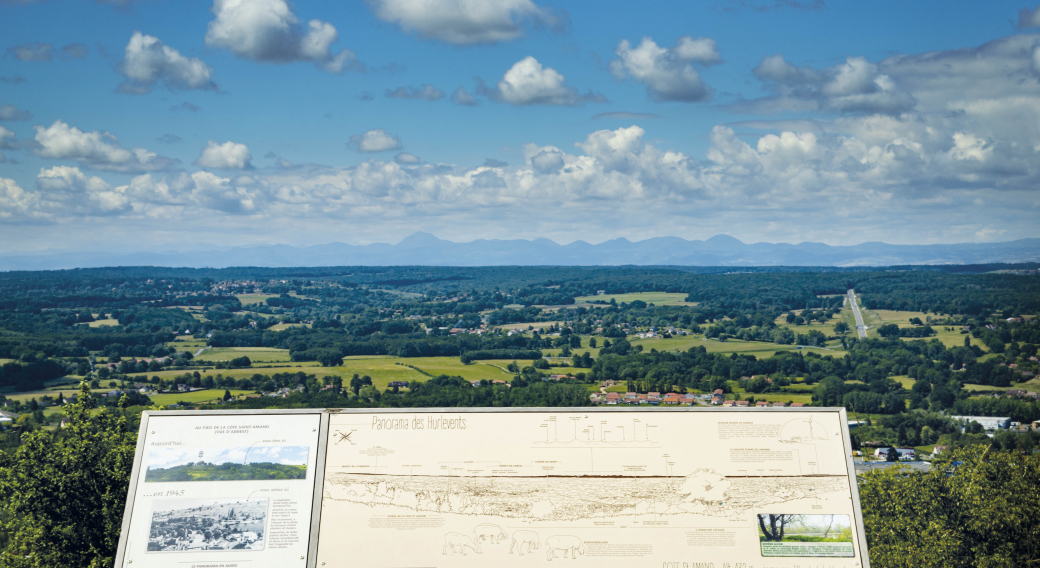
520	538
458	542
489	531
568	544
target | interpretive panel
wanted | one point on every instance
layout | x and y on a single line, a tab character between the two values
223	490
672	489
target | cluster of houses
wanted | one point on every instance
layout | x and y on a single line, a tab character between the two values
675	399
653	333
1019	393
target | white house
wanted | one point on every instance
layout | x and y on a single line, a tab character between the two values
904	453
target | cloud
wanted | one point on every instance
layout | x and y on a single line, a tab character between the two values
547	161
1029	18
406	159
269	31
11	112
461	97
667	73
528	83
229	156
148	62
75	51
963	160
98	150
374	141
169	139
5	143
32	51
493	163
12	79
15	202
423	92
66	190
365	97
625	115
855	86
186	106
220	194
466	22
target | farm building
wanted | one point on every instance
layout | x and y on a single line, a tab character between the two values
987	422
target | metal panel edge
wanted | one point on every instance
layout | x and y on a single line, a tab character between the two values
319	489
854	490
131	491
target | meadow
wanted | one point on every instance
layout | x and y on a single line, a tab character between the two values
207	395
255	354
656	298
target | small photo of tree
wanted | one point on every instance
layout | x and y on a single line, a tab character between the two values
804	528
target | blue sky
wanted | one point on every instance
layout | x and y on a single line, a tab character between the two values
155	125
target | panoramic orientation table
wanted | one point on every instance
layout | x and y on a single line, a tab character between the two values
468	487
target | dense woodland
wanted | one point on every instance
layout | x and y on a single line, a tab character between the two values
322	315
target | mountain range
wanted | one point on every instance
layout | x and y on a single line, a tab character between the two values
426	249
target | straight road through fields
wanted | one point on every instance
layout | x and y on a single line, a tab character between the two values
862	329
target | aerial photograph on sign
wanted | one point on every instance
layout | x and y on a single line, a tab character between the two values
227	464
193	525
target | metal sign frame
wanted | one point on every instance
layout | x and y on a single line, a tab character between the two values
323	436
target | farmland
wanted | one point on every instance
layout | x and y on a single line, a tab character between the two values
656	298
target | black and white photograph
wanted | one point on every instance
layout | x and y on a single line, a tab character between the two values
193	525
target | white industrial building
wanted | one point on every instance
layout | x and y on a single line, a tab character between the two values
987	422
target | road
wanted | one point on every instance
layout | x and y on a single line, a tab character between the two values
862	329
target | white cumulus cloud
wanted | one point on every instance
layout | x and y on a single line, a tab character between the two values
229	156
465	22
527	82
375	141
404	158
66	190
147	62
269	31
98	150
667	73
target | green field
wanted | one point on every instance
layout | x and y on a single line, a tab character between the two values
524	326
226	472
876	318
254	298
382	369
284	326
758	348
255	354
187	343
656	298
193	397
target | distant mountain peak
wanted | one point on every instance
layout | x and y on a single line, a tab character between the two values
421	239
724	240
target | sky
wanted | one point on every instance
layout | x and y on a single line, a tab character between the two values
156	125
171	457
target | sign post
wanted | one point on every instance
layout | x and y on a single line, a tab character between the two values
379	488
